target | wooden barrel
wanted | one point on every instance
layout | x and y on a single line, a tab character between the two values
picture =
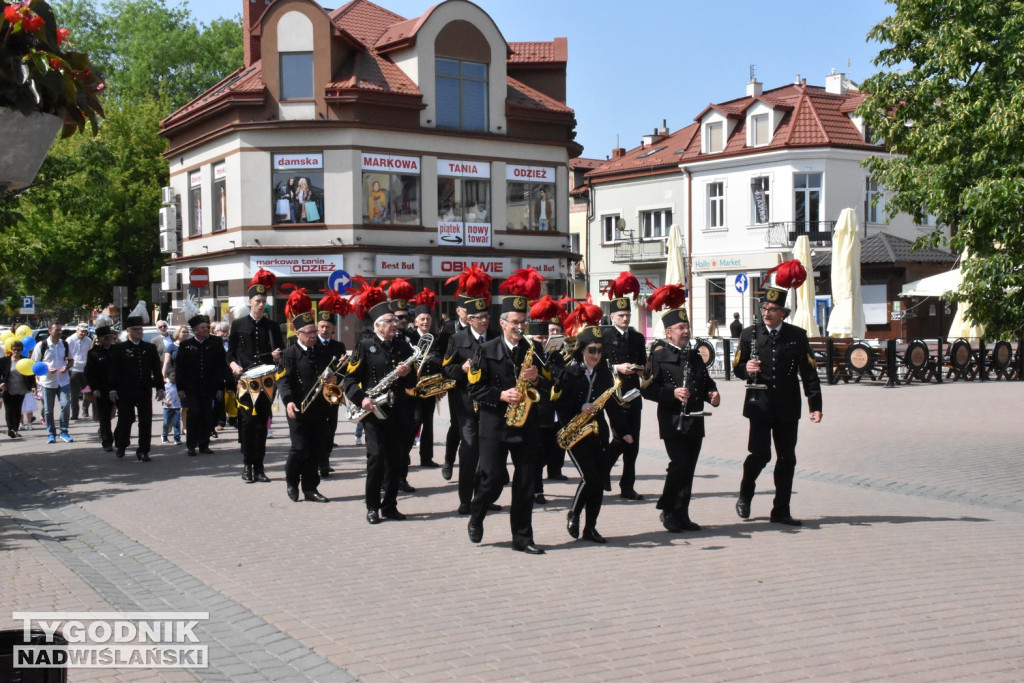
707	351
960	354
1002	354
917	355
860	357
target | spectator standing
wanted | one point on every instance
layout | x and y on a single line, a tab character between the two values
56	383
735	327
78	348
172	410
15	386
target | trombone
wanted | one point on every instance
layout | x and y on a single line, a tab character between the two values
331	391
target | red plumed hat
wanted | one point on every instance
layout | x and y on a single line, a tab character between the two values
788	274
333	303
666	296
523	282
474	283
427	297
298	301
365	295
625	283
400	289
586	313
547	308
262	283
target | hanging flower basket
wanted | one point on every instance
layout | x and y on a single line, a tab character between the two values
27	139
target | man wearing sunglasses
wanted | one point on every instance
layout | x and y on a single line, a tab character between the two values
774	412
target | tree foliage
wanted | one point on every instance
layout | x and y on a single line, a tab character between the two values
90	220
949	103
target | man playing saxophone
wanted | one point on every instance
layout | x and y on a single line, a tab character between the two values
503	376
679	384
374	358
581	383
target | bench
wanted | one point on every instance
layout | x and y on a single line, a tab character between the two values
830	356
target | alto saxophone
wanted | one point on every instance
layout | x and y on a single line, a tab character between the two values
516	413
380	393
584	424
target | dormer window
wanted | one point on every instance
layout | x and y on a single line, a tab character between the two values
760	131
461	94
296	75
714	140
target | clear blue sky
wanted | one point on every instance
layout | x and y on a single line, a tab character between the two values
633	63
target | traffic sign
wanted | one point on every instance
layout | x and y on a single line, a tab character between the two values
742	283
199	277
339	281
28	305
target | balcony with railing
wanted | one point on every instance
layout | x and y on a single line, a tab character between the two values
783	235
639	251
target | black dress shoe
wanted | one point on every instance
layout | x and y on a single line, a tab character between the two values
539	499
293	493
573	524
594	537
429	463
315	496
446	471
394	514
557	477
785	518
10	433
260	476
405	487
144	457
494	507
120	452
206	451
529	549
325	474
373	517
670	523
108	449
476	531
247	474
743	507
191	452
631	495
463	508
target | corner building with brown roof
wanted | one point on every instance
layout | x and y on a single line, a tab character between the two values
356	141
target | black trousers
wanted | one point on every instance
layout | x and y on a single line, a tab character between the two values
628	451
547	447
252	433
104	409
311	438
759	442
78	382
384	456
683	452
453	438
199	421
127	409
12	410
493	475
469	454
423	418
324	459
592	463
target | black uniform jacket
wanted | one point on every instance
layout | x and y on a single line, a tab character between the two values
667	369
134	370
97	368
492	372
300	374
462	346
199	369
370	363
551	366
782	360
250	343
631	349
572	391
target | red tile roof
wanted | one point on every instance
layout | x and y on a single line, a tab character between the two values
661	155
365	21
522	96
539	52
245	84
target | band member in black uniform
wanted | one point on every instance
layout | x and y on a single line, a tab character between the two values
329	348
462	347
423	407
374	359
494	382
580	384
679	383
542	314
255	340
453	438
783	353
400	309
310	431
556	458
625	350
199	372
134	374
97	374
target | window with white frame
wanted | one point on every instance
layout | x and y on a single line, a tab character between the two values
807	201
655	224
610	230
760	133
713	141
716	204
760	200
873	208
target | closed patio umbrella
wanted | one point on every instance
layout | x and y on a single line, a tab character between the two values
847	318
804	315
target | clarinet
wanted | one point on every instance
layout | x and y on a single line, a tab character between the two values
752	383
685	411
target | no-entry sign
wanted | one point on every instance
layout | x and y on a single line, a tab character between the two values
199	277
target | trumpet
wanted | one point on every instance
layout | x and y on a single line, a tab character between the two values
331	391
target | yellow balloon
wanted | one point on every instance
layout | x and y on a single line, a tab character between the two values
4	336
8	343
24	366
23	331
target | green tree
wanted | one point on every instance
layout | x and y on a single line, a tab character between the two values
949	103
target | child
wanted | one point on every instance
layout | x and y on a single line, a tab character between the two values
29	406
172	409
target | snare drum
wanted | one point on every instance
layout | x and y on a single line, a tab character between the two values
255	382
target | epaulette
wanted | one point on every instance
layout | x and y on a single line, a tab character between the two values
474	368
357	357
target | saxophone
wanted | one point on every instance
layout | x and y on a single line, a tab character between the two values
516	413
381	391
584	424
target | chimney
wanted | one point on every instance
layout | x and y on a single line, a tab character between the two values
754	88
618	153
835	83
664	128
252	10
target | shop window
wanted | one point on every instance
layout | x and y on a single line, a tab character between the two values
530	205
298	188
391	190
716	299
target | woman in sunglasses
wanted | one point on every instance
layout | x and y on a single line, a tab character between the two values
580	385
